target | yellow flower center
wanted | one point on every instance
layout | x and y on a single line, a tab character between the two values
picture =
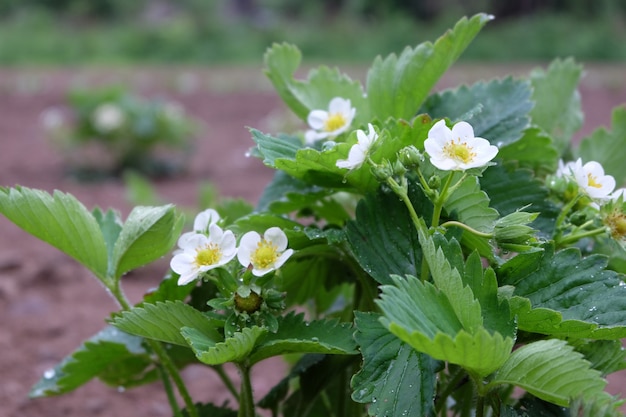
616	221
591	181
459	151
334	122
208	255
265	254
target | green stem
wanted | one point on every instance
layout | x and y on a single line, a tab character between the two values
480	406
440	201
219	369
246	399
169	391
468	228
566	209
452	385
160	352
576	237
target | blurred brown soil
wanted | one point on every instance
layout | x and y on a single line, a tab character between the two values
49	304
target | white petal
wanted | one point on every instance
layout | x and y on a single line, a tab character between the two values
317	118
283	258
204	219
182	263
340	105
440	132
247	245
277	237
462	130
312	136
192	241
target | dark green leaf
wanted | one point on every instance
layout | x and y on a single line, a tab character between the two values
394	379
470	205
498	111
565	294
233	349
535	151
211	410
294	335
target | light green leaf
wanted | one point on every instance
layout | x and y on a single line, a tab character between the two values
148	234
535	150
397	85
497	110
557	101
423	317
564	294
607	356
163	321
382	221
60	220
233	349
607	147
470	205
294	335
271	148
392	372
552	371
322	85
115	357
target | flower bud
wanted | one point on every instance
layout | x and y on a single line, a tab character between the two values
383	172
410	157
514	229
434	182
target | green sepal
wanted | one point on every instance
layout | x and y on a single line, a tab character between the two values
235	348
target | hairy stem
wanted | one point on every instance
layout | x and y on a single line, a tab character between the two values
246	399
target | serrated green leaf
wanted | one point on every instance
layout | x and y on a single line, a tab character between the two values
392	372
552	371
164	320
470	205
602	405
375	228
271	148
535	150
232	349
564	294
276	194
607	147
115	357
397	85
60	220
148	234
294	335
498	110
322	84
607	356
557	101
511	189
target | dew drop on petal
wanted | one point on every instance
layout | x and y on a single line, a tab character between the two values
49	374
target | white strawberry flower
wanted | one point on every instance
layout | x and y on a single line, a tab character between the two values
457	149
200	253
201	224
358	151
265	253
330	123
592	180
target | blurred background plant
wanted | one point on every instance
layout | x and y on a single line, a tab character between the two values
238	31
110	131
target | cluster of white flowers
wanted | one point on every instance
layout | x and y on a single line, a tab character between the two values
209	247
449	149
590	178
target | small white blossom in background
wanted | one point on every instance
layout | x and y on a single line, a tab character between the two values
107	117
591	179
565	169
330	123
200	253
615	195
265	253
457	149
359	151
51	118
